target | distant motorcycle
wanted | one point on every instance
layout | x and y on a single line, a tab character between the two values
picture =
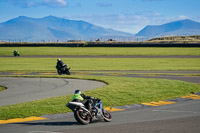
63	70
16	53
84	116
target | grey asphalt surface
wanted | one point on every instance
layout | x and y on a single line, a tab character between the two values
21	90
158	74
192	79
182	117
177	118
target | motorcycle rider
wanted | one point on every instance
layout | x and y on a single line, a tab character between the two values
60	65
16	53
86	100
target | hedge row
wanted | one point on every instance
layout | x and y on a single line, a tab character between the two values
104	44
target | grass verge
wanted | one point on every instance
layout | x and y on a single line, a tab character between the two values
99	51
119	91
2	88
48	64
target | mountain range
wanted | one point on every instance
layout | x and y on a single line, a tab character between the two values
54	29
176	28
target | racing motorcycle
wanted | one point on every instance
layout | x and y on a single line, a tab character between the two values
84	116
16	53
63	70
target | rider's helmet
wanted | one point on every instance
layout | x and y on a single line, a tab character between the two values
58	59
77	92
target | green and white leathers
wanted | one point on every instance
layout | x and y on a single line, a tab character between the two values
78	96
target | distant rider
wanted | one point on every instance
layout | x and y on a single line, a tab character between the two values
86	100
60	65
16	53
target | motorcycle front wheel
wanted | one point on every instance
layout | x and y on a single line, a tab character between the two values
106	115
82	116
68	72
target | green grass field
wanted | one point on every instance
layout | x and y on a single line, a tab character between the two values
48	64
99	51
2	88
119	91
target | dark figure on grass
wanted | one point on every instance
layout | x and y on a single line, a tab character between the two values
16	53
62	67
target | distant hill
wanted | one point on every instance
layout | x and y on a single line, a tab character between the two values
176	28
52	28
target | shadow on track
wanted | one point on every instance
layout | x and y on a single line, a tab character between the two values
49	123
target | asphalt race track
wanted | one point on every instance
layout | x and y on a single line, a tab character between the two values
176	118
28	89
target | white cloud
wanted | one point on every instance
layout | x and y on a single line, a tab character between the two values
131	23
182	17
55	3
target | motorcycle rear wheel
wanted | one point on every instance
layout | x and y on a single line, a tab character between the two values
68	72
82	117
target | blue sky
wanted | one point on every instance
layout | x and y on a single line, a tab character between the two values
124	15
